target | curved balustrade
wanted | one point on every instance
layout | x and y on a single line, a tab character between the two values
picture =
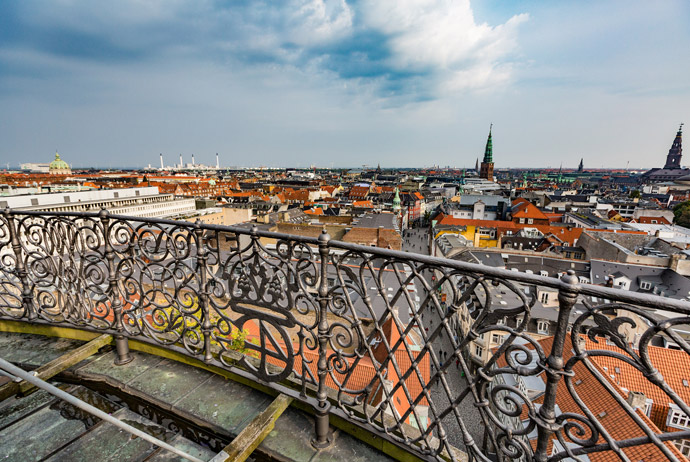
385	339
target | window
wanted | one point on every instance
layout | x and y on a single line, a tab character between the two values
545	297
543	327
648	407
678	418
683	446
496	338
518	320
478	351
544	273
522	221
645	285
530	221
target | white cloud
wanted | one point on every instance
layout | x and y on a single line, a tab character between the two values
318	21
443	38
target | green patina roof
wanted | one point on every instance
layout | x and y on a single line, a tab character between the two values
58	164
488	151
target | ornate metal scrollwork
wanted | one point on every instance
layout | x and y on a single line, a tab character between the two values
390	341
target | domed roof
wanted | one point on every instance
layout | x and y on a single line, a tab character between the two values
211	182
58	164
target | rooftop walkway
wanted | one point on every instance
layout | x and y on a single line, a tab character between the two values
191	408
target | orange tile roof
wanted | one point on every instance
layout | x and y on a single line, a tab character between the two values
603	405
674	366
522	208
367	204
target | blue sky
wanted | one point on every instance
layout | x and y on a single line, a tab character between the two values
343	83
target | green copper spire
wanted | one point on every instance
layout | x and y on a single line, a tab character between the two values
396	201
489	152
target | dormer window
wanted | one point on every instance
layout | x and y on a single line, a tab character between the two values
677	418
543	327
645	285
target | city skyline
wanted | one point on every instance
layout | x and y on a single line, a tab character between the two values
342	84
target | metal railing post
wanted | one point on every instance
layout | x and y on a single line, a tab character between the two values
201	268
121	343
20	268
323	437
546	417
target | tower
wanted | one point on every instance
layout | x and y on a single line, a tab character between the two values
396	201
181	164
161	161
487	167
217	162
581	167
192	160
676	151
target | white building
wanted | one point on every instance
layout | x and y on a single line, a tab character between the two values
136	202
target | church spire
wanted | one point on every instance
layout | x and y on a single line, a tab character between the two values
676	152
489	151
581	167
487	168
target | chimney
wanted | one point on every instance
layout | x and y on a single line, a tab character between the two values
673	261
636	399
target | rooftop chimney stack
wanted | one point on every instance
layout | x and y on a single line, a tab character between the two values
636	399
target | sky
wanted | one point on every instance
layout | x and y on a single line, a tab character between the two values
343	83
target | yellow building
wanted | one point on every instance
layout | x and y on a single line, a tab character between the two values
479	236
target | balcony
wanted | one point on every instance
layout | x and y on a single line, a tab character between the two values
337	327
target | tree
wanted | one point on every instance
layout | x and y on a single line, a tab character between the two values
681	214
635	194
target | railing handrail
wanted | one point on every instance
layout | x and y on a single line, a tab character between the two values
648	300
232	284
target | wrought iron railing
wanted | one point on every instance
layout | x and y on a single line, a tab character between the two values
385	339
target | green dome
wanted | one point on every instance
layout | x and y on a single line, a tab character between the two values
58	164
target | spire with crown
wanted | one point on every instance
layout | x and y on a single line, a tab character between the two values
676	152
